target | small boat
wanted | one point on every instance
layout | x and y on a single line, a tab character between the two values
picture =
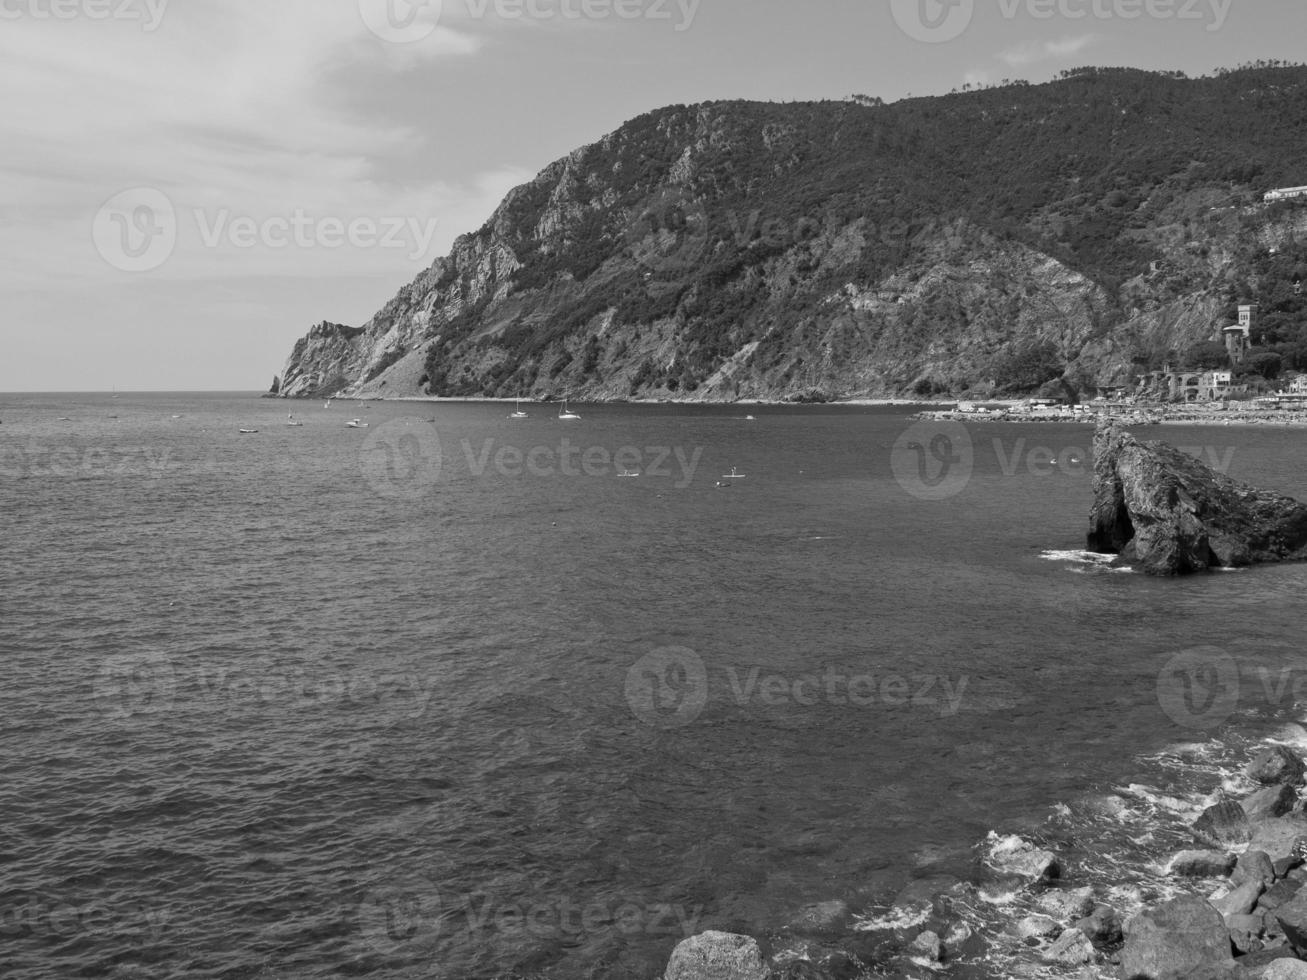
356	424
519	414
750	418
627	475
328	405
566	415
733	475
293	421
248	432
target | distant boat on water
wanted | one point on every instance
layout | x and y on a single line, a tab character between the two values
356	424
568	416
291	420
733	475
519	414
249	432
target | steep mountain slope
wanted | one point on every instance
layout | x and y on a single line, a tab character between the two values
984	242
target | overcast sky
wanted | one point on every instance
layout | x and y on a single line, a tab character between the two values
189	185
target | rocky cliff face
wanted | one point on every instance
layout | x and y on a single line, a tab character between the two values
1165	512
736	251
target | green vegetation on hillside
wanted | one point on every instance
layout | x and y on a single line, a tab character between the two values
737	222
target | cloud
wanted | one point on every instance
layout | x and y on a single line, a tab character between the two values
232	111
1035	52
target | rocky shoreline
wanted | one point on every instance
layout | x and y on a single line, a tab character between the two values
1237	909
1151	415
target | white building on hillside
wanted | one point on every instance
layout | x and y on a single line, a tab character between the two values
1284	193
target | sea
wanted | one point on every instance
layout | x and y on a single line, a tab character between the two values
441	693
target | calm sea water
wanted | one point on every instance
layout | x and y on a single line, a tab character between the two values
447	696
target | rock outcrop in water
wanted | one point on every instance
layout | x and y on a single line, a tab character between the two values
1166	513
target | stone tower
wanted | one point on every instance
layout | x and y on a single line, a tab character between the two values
1238	337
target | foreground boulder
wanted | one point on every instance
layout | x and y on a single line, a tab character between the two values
1271	802
1223	825
1276	765
717	956
1201	864
1167	942
1163	511
1284	839
1022	859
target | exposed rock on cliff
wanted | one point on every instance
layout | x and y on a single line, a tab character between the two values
1167	513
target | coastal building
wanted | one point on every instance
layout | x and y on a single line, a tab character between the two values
1285	193
1238	336
1299	385
1189	386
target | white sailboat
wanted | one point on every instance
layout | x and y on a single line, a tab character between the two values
519	414
568	416
291	420
356	424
